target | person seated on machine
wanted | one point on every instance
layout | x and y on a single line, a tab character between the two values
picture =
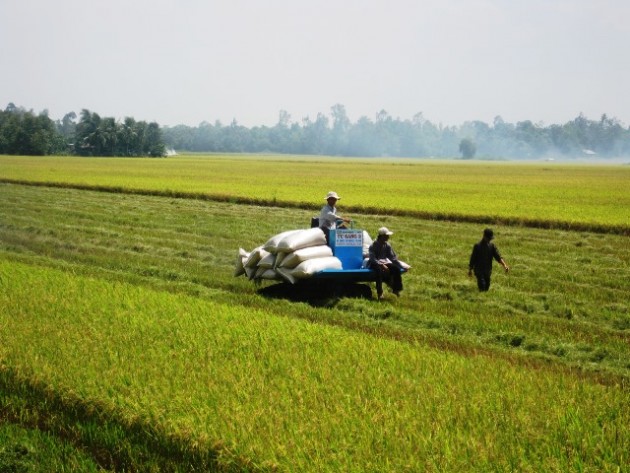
328	218
383	260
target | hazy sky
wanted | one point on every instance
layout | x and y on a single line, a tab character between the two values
186	61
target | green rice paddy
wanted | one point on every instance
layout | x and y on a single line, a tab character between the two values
128	344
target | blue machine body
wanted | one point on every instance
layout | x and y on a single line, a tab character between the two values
347	246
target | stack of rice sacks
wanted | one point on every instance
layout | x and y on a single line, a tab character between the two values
288	256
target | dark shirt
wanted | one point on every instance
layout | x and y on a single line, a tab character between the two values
380	251
482	255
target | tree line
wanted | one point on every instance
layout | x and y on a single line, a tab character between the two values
23	132
384	135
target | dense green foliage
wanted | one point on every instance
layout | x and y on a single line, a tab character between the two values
468	148
149	349
418	137
96	136
23	133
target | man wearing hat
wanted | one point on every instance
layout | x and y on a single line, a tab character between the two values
328	217
481	260
384	261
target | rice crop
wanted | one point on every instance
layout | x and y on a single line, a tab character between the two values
565	297
31	450
549	195
125	337
265	392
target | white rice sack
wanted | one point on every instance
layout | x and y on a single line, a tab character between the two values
310	252
271	274
279	258
367	242
404	265
272	244
311	266
302	239
286	274
266	273
254	257
240	262
268	261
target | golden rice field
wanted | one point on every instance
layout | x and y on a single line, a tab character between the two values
544	194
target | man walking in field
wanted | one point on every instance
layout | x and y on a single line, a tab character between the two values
481	260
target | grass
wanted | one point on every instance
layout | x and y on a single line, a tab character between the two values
548	195
152	356
34	451
564	299
259	391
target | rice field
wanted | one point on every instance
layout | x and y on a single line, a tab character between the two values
151	356
547	194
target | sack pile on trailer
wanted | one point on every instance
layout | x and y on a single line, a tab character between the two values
288	256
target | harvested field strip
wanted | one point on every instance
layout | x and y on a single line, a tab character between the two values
560	305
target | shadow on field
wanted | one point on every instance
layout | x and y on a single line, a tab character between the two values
114	440
317	293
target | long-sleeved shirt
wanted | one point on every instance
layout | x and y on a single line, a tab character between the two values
482	255
381	251
328	217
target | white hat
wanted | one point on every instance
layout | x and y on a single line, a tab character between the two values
385	231
333	195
